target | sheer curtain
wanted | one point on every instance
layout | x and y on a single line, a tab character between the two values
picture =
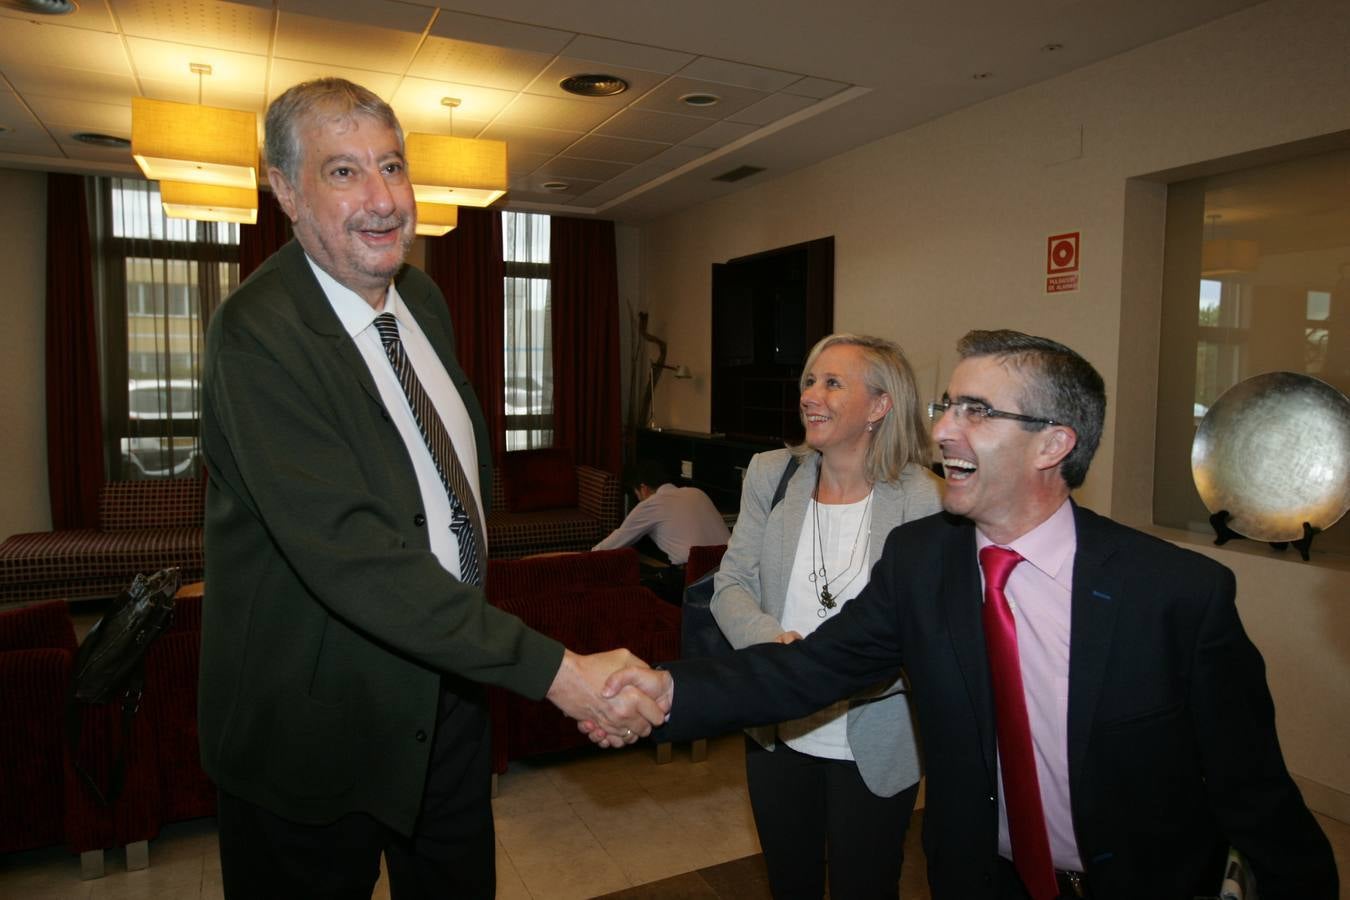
528	327
158	281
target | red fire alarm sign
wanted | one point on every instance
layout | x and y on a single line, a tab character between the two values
1061	262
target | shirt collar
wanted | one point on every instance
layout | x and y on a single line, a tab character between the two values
1049	547
352	310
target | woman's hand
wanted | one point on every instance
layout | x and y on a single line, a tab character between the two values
787	637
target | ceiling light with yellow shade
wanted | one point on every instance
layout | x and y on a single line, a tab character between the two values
452	170
193	143
436	219
209	202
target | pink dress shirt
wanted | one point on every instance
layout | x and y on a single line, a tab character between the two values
1040	592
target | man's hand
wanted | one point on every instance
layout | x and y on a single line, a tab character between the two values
615	719
788	637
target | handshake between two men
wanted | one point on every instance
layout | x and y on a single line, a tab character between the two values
615	697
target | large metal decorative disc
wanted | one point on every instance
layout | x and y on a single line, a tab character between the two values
1274	451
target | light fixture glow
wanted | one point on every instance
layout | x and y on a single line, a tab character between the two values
209	202
1229	255
455	171
197	144
436	219
460	171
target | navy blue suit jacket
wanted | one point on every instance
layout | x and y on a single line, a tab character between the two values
1172	746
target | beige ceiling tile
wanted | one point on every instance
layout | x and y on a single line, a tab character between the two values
820	88
93	16
383	14
27	146
520	163
532	188
674	158
645	125
13	114
223	97
719	134
167	65
726	72
566	168
203	23
499	32
61	114
772	108
523	138
633	56
312	39
420	99
731	99
289	72
596	146
639	82
472	63
99	87
29	43
552	112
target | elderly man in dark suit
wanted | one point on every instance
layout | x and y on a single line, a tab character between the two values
345	631
1096	722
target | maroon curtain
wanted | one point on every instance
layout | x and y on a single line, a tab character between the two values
74	420
467	265
585	300
257	242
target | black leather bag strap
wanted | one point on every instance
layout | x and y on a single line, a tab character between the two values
781	491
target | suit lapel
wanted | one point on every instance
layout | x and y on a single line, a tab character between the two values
961	605
1098	591
317	313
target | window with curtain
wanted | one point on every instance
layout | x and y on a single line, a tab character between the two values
157	281
528	351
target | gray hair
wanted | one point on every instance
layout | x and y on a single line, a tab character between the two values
334	98
1059	385
901	437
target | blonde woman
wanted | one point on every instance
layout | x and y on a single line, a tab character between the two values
840	784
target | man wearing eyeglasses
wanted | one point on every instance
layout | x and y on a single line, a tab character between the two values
1096	722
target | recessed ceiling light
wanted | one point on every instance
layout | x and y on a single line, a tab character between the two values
700	99
42	7
594	85
101	140
4	128
981	76
556	186
1052	48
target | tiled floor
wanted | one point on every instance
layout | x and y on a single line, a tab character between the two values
575	826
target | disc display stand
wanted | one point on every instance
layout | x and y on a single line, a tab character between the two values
1223	534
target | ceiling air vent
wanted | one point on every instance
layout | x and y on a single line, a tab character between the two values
101	140
42	7
738	173
594	85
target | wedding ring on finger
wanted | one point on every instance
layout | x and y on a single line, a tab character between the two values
627	733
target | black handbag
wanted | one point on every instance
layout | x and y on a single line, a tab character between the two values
699	633
111	662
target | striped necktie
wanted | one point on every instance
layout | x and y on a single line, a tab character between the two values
466	523
1021	787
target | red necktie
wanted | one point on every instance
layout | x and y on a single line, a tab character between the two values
1021	789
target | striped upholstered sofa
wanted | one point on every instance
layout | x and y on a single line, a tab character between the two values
584	505
144	526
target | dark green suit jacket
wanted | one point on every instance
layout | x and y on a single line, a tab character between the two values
328	621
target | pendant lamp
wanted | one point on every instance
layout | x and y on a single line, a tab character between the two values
436	219
193	143
209	202
449	170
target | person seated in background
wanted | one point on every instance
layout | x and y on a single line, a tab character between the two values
664	524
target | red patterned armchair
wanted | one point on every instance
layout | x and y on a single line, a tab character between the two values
588	601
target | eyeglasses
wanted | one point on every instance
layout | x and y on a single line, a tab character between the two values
963	409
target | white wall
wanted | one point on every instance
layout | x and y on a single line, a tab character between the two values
23	397
943	228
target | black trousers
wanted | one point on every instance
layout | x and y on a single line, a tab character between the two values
811	811
452	852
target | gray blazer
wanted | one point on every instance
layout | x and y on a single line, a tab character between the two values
750	590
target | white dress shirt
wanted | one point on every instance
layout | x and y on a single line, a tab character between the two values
358	319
